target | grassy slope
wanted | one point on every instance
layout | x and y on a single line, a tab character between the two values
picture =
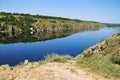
17	27
24	20
104	57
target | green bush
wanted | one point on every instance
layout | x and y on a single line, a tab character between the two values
57	58
115	57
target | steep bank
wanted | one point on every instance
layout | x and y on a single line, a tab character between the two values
107	47
37	23
103	58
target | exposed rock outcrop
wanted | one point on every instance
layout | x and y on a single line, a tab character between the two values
107	46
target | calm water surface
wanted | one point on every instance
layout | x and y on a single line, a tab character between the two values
72	45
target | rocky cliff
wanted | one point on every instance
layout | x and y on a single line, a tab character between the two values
26	22
109	48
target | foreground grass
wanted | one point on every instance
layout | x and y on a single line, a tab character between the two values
50	58
56	58
100	63
95	62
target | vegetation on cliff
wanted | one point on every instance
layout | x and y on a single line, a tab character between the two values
14	22
112	25
104	57
16	27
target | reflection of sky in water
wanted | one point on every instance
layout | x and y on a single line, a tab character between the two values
72	45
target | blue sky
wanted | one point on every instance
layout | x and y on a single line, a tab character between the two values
107	11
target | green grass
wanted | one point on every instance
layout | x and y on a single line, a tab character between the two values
115	57
100	63
21	63
108	61
52	58
55	58
25	21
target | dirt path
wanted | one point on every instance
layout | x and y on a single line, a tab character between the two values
49	71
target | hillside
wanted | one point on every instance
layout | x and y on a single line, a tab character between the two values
16	27
100	62
112	25
108	47
14	22
103	57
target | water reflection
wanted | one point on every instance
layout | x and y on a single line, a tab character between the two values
15	37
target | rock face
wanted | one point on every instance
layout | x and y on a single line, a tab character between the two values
24	23
40	27
97	49
108	46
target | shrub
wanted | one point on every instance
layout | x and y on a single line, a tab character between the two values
57	58
115	57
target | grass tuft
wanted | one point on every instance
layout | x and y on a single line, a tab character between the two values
100	63
57	58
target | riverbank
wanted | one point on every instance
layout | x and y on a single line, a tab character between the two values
103	57
100	62
26	23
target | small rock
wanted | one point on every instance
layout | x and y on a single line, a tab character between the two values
5	67
26	62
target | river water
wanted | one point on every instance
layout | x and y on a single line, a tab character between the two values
74	44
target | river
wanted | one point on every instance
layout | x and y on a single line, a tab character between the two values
14	51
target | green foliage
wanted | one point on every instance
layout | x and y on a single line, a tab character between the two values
47	58
21	63
112	25
57	58
115	57
4	13
23	23
99	63
107	60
